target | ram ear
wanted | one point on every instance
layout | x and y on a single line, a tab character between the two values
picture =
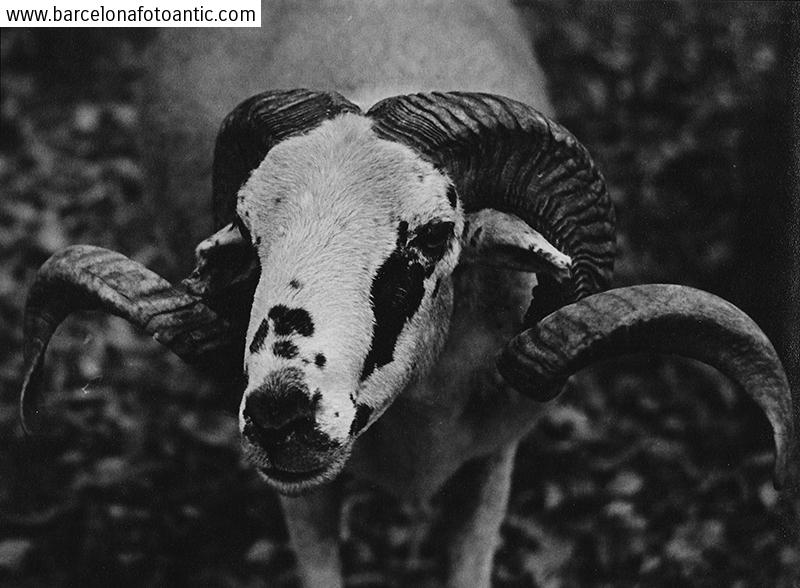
504	240
224	258
225	276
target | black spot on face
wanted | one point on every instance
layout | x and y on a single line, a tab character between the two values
291	320
452	197
320	360
363	412
295	284
258	241
396	294
285	348
258	339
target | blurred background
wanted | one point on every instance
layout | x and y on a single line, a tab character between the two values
651	471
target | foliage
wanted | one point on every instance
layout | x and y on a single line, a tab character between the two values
650	471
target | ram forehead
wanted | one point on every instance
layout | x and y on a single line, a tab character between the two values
341	172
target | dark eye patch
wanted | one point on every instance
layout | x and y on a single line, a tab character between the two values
397	291
432	239
398	286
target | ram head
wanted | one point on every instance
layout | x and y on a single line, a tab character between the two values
328	285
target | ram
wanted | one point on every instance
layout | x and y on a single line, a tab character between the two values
399	281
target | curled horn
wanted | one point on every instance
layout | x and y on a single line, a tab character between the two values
254	127
661	318
83	277
203	320
505	155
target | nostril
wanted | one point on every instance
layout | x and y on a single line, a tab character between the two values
274	436
280	400
274	412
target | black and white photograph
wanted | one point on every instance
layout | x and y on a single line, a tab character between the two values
400	294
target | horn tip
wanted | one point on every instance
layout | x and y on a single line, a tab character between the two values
25	417
28	412
27	429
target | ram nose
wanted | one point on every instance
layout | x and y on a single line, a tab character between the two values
279	423
275	406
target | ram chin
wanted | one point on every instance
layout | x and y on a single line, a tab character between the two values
295	483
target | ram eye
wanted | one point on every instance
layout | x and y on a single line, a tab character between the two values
431	239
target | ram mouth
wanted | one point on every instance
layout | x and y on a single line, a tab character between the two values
287	477
294	482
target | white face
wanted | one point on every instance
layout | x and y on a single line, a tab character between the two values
357	238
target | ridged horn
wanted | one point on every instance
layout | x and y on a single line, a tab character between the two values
660	318
204	320
254	127
83	277
505	155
